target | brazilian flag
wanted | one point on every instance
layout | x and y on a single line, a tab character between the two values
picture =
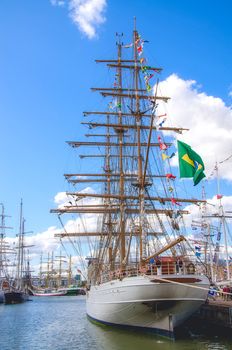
190	163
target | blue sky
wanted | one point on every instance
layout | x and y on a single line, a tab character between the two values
47	68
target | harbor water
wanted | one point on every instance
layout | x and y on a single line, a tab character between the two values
60	323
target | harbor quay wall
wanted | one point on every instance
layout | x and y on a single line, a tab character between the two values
216	312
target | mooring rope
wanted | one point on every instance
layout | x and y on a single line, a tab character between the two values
186	284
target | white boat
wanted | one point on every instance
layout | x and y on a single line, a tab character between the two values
150	299
140	273
147	303
49	293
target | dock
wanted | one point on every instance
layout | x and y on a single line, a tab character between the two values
217	312
213	317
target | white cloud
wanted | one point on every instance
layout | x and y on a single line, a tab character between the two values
58	2
207	117
62	199
45	242
86	14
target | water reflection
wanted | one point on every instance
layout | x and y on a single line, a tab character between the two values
114	339
61	324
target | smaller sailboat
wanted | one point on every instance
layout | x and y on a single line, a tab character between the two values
49	293
5	251
56	280
18	290
73	289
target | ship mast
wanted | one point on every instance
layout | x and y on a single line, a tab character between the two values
138	124
21	268
4	246
70	270
125	201
41	269
223	218
109	224
120	141
20	247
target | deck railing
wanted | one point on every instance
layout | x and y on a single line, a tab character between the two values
163	268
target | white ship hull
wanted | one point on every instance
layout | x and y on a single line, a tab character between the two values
146	302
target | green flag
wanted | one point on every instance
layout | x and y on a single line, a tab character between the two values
190	163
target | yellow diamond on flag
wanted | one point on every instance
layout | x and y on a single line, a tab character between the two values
187	159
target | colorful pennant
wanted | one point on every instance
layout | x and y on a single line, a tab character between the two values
162	145
219	196
170	176
164	156
173	200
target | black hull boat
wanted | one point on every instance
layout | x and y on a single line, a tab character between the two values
1	297
15	297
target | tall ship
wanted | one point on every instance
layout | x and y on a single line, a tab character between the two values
13	284
142	272
5	253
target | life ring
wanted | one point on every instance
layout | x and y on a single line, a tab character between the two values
191	269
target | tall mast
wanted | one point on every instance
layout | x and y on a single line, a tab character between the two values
120	141
137	105
210	252
222	214
52	264
19	262
60	270
2	235
70	270
4	246
41	269
60	259
109	215
48	271
22	253
142	247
